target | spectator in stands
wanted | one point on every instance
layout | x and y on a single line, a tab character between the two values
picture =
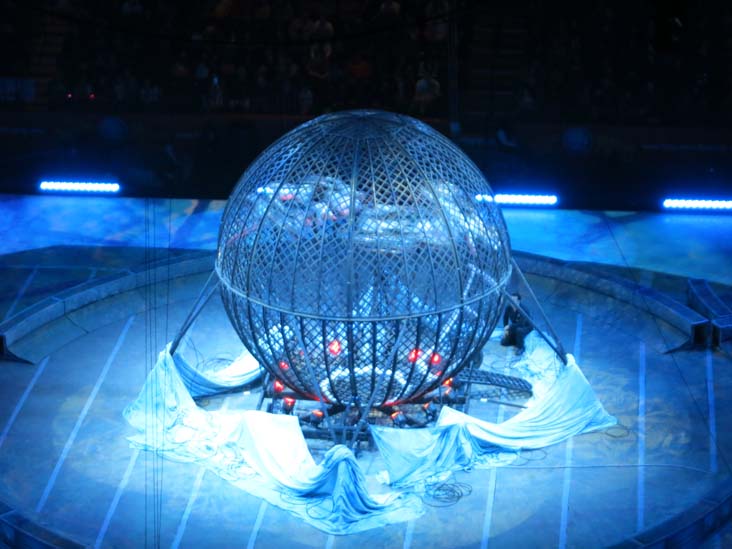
305	100
180	68
390	11
437	27
295	28
238	95
322	33
120	91
149	95
202	71
282	12
261	96
426	91
360	67
131	7
402	87
215	99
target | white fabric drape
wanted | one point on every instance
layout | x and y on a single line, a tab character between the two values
459	441
266	454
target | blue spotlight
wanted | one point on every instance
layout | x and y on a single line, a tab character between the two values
696	204
520	199
80	186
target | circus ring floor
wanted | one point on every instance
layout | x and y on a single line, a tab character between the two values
68	475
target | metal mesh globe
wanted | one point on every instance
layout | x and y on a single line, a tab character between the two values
362	258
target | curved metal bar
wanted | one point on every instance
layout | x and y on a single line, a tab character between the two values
496	289
207	291
541	310
556	345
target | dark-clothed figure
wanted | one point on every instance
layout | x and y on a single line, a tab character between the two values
516	325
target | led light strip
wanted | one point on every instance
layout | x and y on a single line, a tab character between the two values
694	204
520	199
80	186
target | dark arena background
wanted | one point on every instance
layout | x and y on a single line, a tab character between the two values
365	273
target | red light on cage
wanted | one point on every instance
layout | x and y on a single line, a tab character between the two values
398	418
414	355
287	196
284	366
435	359
447	382
317	417
69	95
92	96
278	386
288	403
334	347
426	405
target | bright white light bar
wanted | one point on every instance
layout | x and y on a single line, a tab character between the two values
80	186
694	204
520	199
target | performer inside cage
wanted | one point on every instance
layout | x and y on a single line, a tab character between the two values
516	325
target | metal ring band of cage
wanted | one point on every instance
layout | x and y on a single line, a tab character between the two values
495	288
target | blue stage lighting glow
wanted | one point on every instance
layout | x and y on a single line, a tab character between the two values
696	204
520	199
80	186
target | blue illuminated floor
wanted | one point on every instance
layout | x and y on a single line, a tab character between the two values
49	244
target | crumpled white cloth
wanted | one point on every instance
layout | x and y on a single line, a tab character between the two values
264	454
566	408
242	371
267	456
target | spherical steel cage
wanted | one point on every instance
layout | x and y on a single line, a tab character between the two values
362	255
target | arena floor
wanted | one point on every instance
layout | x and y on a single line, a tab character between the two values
66	466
